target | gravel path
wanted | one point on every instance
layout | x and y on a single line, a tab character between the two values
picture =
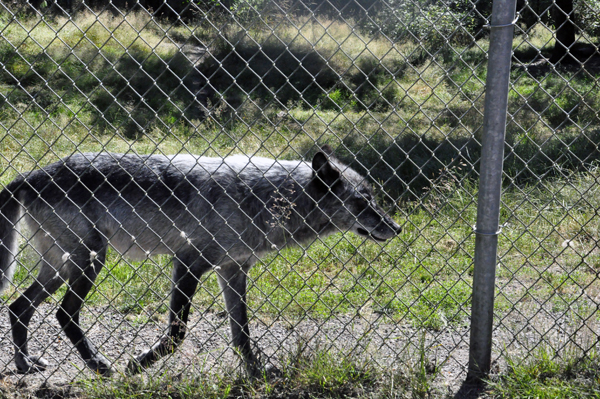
206	348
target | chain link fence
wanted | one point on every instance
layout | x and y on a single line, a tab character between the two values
395	88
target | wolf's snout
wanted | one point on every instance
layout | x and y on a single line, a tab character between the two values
395	227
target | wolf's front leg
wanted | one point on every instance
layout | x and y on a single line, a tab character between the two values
185	281
232	279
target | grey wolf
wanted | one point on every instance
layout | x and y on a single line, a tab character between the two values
208	213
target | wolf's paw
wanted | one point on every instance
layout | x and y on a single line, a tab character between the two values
272	372
100	365
30	364
134	367
257	371
139	363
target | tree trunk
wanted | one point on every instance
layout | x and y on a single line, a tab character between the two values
563	16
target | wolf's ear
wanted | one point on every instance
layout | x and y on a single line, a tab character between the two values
327	149
327	173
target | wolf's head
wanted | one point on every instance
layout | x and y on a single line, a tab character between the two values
347	199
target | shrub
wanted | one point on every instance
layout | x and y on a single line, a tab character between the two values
432	23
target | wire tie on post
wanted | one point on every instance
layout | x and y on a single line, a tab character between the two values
487	233
490	26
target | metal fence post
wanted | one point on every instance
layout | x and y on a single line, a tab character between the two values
488	208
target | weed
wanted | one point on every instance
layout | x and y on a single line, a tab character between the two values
547	375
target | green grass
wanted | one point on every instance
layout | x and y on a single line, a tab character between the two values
115	84
549	376
423	277
119	83
312	371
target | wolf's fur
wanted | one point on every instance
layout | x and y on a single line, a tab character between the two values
209	213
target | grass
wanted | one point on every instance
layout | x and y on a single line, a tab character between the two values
385	105
547	375
307	371
408	121
423	279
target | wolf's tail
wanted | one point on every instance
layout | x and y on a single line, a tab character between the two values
10	213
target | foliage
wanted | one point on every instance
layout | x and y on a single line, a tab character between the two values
587	16
250	10
548	375
432	23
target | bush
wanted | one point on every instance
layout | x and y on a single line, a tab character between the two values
432	23
587	16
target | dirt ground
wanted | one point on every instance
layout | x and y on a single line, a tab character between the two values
206	347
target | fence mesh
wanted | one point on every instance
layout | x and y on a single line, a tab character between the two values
396	88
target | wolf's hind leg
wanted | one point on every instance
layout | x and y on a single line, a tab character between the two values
88	264
23	308
186	274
